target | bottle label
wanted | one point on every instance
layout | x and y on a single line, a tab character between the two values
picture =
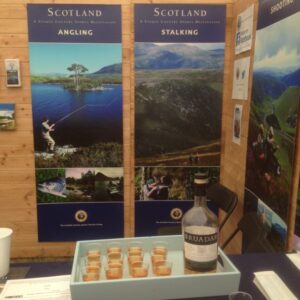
197	239
201	244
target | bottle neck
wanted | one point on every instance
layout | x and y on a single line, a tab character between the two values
200	195
200	201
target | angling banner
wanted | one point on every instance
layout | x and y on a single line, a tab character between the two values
76	84
179	61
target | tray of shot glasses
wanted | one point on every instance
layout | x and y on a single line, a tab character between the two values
145	268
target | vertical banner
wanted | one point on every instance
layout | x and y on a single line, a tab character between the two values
76	84
273	117
179	61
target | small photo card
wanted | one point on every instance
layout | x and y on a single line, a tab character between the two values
241	78
12	69
237	124
244	28
7	116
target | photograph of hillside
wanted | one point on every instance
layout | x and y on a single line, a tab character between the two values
79	185
178	95
77	104
273	116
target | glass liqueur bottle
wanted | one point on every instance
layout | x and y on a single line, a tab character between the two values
200	230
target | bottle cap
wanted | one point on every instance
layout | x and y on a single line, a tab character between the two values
201	178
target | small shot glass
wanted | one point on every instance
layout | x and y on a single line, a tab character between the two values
93	276
93	255
162	268
93	267
135	248
139	269
135	258
114	247
93	249
160	247
92	261
115	257
155	258
115	265
113	272
135	263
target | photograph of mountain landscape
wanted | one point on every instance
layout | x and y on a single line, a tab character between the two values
77	104
273	118
178	95
79	185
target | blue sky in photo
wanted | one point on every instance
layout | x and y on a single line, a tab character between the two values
203	46
278	45
50	58
7	110
7	106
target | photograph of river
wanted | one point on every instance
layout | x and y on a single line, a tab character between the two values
77	104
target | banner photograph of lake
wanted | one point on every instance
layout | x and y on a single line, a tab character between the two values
178	94
77	104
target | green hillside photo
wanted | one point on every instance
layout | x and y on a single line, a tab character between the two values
273	124
178	100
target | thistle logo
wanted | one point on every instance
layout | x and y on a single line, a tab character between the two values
81	216
176	213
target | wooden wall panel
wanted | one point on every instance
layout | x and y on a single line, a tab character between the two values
233	157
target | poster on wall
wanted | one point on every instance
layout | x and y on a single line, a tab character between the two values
244	28
12	70
76	84
241	78
179	60
7	116
237	124
273	117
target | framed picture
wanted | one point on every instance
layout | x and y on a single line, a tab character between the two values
12	69
7	116
237	118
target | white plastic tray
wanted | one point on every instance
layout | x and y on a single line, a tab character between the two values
177	286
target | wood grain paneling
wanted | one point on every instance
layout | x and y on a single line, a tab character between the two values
233	157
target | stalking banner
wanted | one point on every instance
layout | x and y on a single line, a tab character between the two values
76	84
273	118
179	60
